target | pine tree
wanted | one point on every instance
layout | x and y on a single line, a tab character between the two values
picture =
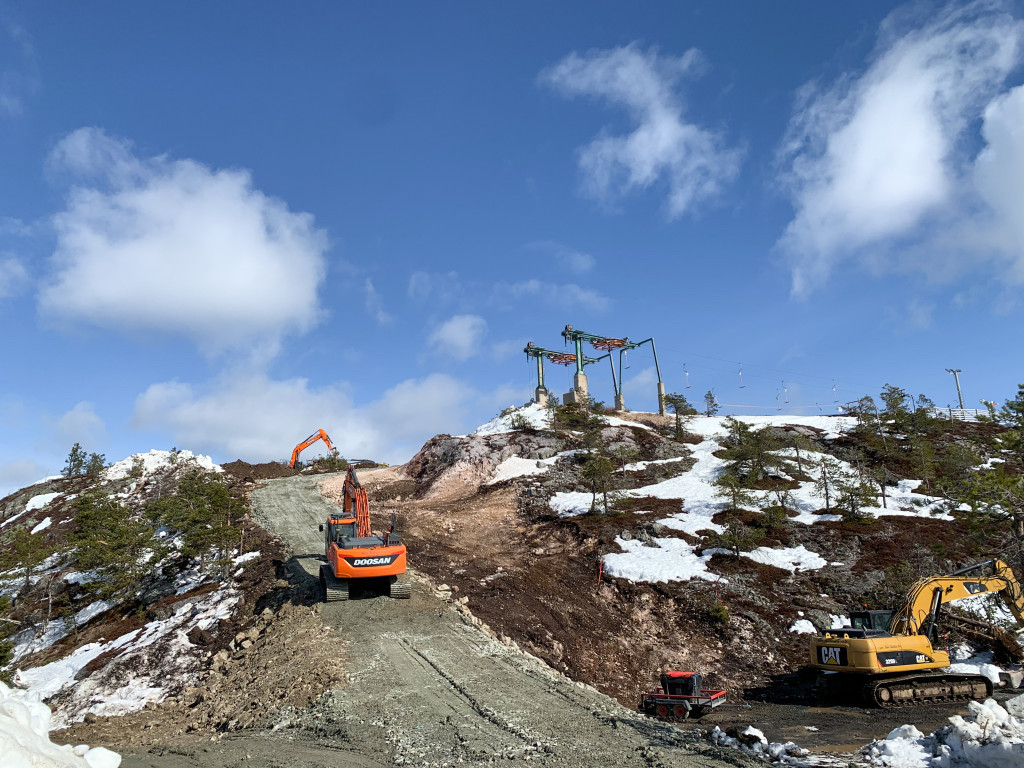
75	463
830	476
731	488
710	403
683	411
21	550
109	540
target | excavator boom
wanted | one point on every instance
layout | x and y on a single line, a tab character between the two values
318	435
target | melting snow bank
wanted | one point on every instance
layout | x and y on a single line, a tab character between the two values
753	742
990	737
537	416
143	661
25	737
155	460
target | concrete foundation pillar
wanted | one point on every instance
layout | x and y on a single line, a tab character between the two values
540	396
578	393
661	398
620	402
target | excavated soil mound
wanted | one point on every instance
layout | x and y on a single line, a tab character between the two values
245	471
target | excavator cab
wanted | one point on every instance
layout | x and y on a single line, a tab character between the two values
873	623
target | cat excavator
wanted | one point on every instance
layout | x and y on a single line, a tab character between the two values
889	657
355	556
318	435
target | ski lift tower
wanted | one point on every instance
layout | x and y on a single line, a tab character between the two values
609	343
561	358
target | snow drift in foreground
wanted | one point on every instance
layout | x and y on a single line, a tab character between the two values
989	737
753	741
25	737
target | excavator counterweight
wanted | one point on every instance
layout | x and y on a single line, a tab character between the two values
355	556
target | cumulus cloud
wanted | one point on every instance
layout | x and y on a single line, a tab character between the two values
460	336
174	246
664	146
218	418
82	425
13	276
871	157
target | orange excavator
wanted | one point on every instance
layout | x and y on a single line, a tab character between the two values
355	555
318	435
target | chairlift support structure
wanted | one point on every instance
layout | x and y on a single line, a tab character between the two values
560	358
610	344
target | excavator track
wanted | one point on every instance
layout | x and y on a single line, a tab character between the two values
400	588
910	690
334	589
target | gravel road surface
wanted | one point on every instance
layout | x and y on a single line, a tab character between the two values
427	687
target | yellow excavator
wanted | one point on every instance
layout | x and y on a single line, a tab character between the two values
887	658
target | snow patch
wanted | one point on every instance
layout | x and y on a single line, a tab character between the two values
40	501
989	737
790	558
672	560
155	460
25	737
536	415
42	526
516	466
115	696
803	627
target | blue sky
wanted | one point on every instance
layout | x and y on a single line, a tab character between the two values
223	226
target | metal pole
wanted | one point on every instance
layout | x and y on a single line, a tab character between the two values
657	367
956	377
615	386
540	372
579	355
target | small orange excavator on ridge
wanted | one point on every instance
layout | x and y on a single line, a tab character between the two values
354	555
318	435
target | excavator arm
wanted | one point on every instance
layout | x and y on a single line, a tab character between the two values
318	435
919	612
355	503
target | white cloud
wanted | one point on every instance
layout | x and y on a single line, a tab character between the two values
13	276
460	336
374	305
218	418
663	147
174	246
552	294
871	157
999	176
82	425
16	474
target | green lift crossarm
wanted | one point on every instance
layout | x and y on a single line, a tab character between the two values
608	343
562	358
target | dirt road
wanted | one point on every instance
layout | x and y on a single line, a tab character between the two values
427	687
